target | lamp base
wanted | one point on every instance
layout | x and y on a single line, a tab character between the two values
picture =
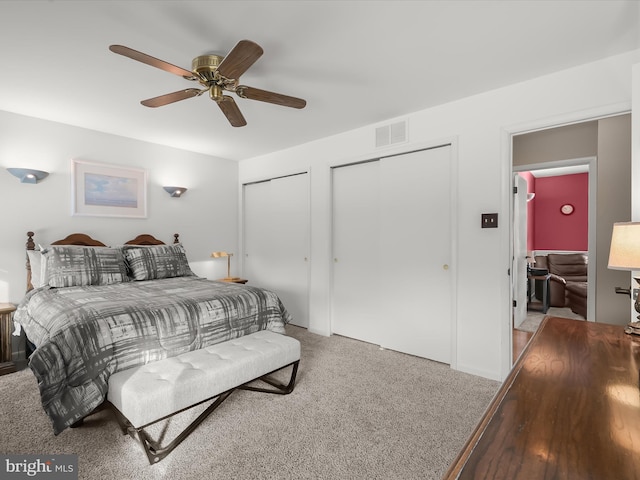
633	328
234	280
636	303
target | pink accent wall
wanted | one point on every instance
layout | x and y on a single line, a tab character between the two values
551	229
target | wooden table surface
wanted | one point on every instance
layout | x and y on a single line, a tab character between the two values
570	409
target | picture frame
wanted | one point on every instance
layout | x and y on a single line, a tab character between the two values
105	190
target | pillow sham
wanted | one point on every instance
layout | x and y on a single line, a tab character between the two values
72	265
35	263
157	261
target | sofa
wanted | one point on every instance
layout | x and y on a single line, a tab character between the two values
568	279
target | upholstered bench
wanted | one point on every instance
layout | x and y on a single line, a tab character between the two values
144	395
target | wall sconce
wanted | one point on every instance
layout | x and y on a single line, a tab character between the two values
229	278
625	255
530	196
175	191
27	175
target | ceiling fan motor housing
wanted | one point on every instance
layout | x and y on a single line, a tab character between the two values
206	65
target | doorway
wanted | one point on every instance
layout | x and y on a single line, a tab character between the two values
550	230
604	143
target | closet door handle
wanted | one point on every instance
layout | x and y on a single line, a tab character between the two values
445	267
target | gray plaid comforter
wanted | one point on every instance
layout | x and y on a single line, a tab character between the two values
84	334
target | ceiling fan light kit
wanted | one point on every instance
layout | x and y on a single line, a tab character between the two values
216	74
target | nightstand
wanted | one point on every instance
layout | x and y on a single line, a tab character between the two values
234	280
6	327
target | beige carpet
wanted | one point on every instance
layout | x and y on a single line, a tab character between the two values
534	319
358	412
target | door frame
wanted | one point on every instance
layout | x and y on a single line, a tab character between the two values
506	134
591	163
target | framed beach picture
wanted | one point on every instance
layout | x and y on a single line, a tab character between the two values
108	190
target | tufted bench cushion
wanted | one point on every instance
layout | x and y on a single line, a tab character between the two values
153	391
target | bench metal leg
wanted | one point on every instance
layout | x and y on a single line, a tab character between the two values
156	452
281	389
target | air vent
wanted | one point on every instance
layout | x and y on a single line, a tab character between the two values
391	134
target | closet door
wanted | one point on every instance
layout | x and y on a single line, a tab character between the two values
356	250
276	240
415	253
256	221
392	239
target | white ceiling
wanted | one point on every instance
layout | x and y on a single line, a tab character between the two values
355	62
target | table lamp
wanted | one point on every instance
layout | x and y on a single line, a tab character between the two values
625	255
228	278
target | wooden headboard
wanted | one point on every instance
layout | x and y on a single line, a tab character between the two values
146	239
85	240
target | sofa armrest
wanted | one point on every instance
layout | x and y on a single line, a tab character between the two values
557	278
576	279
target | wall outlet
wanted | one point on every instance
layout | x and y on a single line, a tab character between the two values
489	220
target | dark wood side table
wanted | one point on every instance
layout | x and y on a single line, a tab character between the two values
568	409
545	281
6	328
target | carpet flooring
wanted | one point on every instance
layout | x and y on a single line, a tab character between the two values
358	412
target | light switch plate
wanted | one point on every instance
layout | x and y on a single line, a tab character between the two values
489	220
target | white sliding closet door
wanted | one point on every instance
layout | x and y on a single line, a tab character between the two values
276	241
256	263
355	294
415	254
392	253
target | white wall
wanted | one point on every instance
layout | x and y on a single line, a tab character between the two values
480	127
635	165
206	216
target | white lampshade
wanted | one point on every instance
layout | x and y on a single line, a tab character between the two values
625	246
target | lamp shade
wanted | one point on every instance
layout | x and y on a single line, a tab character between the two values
28	175
175	191
625	246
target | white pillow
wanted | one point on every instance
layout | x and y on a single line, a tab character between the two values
37	265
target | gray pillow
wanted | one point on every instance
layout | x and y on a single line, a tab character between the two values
157	261
72	265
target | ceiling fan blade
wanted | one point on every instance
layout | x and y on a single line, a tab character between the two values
270	97
154	62
172	97
231	111
239	59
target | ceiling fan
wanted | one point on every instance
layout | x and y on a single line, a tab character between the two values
216	74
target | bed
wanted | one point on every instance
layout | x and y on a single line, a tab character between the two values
92	310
